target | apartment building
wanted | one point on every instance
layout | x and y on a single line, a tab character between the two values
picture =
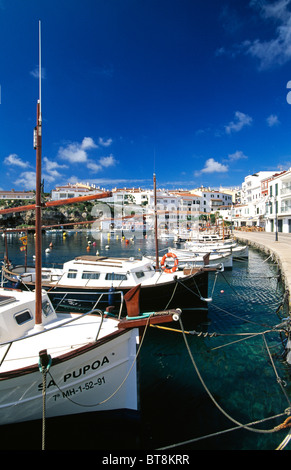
212	200
11	195
278	203
74	190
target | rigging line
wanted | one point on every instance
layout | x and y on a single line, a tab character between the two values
210	335
279	380
284	442
252	335
171	298
241	318
218	433
188	288
245	426
214	283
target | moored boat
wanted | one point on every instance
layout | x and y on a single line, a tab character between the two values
237	251
188	257
91	357
96	275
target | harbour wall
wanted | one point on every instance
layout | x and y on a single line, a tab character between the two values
280	250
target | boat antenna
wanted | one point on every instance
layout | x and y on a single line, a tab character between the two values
38	222
39	66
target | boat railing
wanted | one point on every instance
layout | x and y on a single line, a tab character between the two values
60	325
66	295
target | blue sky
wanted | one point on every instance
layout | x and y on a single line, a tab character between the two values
193	90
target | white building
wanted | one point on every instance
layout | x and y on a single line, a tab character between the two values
212	200
11	195
176	209
278	204
74	190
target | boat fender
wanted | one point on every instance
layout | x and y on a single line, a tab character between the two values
18	283
176	262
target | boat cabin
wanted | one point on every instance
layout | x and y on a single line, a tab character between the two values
17	313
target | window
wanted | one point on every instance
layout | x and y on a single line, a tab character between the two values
23	317
115	277
72	274
47	309
90	275
139	274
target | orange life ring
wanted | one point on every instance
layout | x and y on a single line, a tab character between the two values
176	262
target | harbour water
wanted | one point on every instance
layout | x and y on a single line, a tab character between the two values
195	390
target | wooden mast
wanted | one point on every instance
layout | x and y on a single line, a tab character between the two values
38	222
156	225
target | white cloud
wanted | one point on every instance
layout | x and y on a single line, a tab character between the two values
212	166
94	167
275	51
50	165
26	180
73	153
105	143
272	120
77	152
241	120
108	161
13	159
88	143
238	155
51	168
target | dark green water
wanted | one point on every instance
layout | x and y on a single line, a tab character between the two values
176	410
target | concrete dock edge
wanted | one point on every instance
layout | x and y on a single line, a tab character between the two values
279	250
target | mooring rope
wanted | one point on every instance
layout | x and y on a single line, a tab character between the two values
44	364
245	426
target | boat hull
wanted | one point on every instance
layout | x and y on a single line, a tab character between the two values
100	376
184	293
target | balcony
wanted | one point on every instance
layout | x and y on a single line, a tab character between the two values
285	207
286	189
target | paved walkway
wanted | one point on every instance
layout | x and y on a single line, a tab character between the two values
281	249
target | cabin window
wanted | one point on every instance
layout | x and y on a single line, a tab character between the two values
72	274
23	317
90	275
47	308
115	277
139	274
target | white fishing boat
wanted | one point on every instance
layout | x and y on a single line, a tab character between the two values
90	359
160	289
196	236
186	258
237	251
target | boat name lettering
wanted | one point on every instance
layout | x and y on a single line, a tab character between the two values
82	388
83	370
77	373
